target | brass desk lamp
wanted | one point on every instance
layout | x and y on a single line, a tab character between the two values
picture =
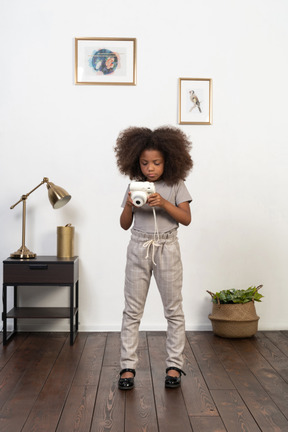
58	197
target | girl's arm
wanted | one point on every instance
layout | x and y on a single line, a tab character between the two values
126	217
180	213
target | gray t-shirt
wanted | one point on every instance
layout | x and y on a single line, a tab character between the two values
143	216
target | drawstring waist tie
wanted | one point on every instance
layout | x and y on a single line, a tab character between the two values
155	241
151	241
147	245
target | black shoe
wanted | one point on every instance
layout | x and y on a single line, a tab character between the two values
126	383
173	382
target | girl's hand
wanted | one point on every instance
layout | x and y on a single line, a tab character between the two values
180	213
126	217
129	201
155	199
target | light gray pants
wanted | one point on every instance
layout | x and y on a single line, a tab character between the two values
168	276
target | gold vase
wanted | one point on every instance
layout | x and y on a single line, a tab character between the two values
65	241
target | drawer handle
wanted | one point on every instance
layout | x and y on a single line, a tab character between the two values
38	266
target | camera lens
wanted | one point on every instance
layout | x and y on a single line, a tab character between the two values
139	198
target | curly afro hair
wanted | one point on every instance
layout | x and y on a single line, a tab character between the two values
170	141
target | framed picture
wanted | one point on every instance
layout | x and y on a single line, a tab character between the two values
105	61
195	101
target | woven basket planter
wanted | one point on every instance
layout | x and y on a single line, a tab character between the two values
234	320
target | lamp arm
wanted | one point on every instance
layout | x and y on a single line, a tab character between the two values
24	197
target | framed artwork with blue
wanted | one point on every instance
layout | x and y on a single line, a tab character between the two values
105	61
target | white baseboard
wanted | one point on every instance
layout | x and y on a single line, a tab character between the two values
63	325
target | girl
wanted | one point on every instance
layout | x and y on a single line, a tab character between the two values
160	156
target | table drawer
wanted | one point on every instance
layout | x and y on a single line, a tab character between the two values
34	273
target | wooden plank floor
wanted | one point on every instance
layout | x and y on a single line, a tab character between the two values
46	385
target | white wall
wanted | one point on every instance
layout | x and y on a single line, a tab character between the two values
51	127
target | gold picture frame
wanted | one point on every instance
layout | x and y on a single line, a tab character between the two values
105	61
195	101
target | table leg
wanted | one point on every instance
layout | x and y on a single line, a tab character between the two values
77	306
4	314
6	337
71	313
74	304
15	305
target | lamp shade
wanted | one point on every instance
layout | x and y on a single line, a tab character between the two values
58	197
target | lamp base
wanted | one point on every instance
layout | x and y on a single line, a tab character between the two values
24	253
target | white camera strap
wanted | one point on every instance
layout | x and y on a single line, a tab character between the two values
153	242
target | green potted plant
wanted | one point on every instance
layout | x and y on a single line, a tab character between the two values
233	312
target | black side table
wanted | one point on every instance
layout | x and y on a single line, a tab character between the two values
41	271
